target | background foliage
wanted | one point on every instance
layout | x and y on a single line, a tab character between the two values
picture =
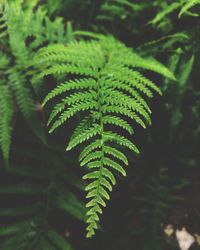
41	190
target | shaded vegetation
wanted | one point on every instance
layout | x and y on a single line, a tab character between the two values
99	61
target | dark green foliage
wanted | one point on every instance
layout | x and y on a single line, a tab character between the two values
96	81
33	197
160	197
24	31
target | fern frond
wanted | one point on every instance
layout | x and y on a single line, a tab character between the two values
188	5
6	114
106	91
13	229
23	95
167	10
24	28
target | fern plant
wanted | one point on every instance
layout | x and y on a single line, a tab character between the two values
183	6
187	5
104	85
24	28
118	8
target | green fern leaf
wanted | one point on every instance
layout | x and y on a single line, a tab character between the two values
114	120
116	153
6	113
106	89
167	10
94	145
188	5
